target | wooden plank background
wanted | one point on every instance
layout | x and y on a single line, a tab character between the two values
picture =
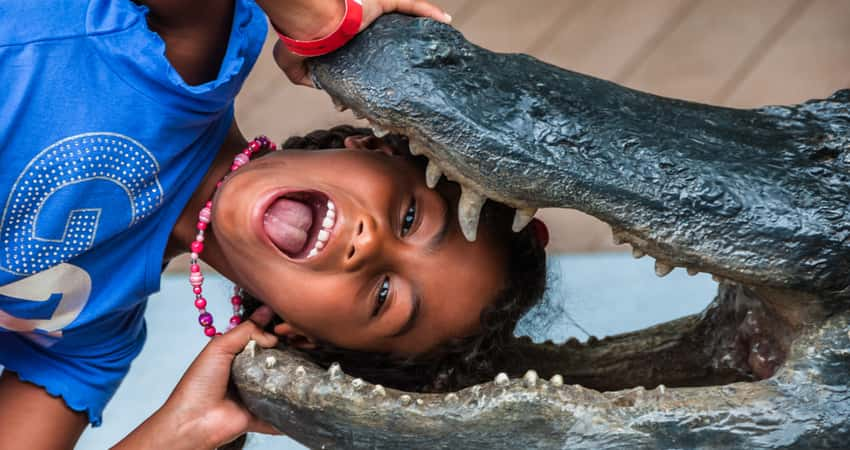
739	53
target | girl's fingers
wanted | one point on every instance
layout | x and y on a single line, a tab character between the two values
422	8
262	316
236	339
296	70
292	65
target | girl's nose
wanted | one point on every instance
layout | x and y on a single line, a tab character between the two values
364	244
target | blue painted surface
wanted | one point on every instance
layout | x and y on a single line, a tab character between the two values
601	294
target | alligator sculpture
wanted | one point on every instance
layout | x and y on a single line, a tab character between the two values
759	198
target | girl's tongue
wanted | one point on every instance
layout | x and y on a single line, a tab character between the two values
287	222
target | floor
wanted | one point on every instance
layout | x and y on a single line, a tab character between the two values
728	52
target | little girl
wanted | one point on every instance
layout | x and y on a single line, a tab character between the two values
113	112
369	269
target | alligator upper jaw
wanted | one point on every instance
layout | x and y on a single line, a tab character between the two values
755	196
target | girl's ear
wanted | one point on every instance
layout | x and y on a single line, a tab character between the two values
370	143
294	336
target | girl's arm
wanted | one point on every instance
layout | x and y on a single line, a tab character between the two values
313	19
33	419
309	20
196	31
199	414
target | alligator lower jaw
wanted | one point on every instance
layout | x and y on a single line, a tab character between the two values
611	392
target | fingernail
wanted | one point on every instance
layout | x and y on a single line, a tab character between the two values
448	17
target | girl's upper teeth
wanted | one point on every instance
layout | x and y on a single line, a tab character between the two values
325	233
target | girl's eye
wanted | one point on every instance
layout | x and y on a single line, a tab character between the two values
409	218
383	294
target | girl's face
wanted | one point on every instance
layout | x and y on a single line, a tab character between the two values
391	272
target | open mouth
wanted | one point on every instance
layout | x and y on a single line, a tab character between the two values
746	339
300	224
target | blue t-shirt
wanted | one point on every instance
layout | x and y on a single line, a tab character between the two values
102	144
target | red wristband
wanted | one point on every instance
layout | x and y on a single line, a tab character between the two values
347	29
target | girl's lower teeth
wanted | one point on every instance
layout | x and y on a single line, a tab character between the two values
325	233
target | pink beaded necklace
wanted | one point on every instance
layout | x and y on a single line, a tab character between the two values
196	278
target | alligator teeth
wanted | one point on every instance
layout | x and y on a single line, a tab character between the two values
338	105
300	372
379	131
522	217
379	391
415	148
357	383
502	379
617	238
692	271
335	371
469	211
405	399
530	379
638	253
433	174
662	269
251	348
451	397
557	380
271	361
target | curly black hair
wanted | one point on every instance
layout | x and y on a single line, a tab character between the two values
462	361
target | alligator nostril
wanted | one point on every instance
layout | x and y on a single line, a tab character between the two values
351	252
359	228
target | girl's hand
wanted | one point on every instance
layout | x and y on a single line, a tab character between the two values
372	9
293	65
200	413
